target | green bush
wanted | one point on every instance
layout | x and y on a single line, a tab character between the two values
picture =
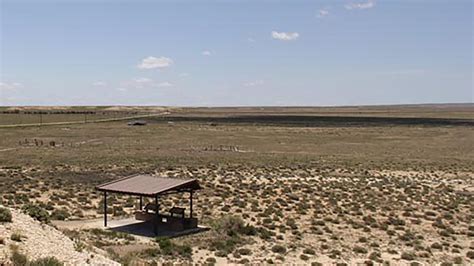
60	214
245	251
309	251
226	245
264	233
211	260
408	256
167	247
36	212
16	237
48	261
18	259
230	225
230	230
184	250
359	249
5	215
111	234
470	254
79	246
279	249
151	252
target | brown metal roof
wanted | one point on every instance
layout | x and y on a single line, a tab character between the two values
149	185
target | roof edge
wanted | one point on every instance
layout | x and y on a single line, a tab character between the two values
115	181
169	189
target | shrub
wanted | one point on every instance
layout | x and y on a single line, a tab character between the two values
48	261
16	237
211	260
18	259
458	260
225	246
61	214
111	234
229	234
184	250
169	248
166	246
408	256
279	249
151	252
304	257
36	212
359	249
244	251
79	246
248	230
5	215
309	251
470	254
234	225
244	261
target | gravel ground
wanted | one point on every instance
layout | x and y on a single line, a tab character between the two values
40	240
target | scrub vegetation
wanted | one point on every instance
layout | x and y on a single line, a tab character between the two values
281	185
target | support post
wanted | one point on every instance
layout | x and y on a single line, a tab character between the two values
191	204
155	224
105	209
141	203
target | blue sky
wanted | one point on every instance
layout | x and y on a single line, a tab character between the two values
228	53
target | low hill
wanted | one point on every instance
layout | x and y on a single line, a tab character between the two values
37	240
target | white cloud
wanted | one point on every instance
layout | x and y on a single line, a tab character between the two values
360	5
254	83
323	13
142	80
10	85
250	39
152	62
285	36
206	53
183	74
165	84
121	89
99	84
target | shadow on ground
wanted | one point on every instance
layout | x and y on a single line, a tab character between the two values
147	229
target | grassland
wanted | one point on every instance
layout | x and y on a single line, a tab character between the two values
346	184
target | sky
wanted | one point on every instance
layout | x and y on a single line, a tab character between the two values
236	53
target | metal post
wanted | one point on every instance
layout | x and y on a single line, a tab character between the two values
191	204
141	203
155	224
105	209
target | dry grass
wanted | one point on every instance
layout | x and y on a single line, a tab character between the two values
305	192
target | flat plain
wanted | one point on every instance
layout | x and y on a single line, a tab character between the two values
295	185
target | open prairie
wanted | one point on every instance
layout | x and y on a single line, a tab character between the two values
281	185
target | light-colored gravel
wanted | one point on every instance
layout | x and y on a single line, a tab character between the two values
41	240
